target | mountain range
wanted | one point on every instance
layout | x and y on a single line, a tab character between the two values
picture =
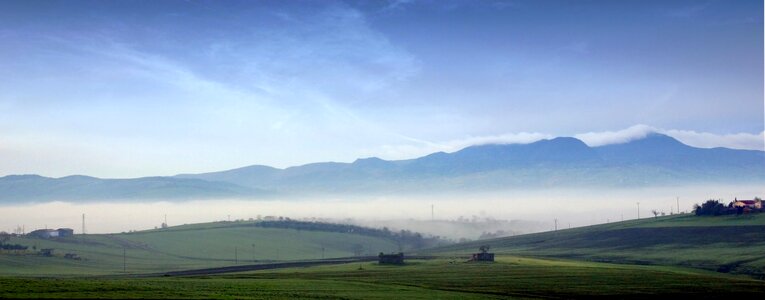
656	160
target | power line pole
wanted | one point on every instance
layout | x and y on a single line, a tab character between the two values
638	204
678	204
556	224
83	223
124	260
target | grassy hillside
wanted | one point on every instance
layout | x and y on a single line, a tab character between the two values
509	277
733	244
185	247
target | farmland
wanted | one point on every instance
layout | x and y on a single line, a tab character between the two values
509	277
725	243
679	255
185	247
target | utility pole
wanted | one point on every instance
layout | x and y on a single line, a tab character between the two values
678	204
236	257
253	252
124	260
638	204
83	223
556	224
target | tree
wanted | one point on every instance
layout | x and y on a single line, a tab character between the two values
655	213
484	248
4	237
709	208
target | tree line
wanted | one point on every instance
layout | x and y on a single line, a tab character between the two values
414	240
717	208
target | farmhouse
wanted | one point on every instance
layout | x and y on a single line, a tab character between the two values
391	259
52	233
65	232
751	204
44	233
484	255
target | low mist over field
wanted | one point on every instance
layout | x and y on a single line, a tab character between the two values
454	215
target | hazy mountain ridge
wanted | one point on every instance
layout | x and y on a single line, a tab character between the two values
561	162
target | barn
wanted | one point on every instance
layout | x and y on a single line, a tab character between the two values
391	259
65	232
44	233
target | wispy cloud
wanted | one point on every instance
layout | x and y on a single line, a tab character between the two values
690	10
747	141
635	132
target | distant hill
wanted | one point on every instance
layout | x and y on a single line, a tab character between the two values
196	246
727	244
25	188
655	160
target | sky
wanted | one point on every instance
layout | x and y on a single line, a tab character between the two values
124	89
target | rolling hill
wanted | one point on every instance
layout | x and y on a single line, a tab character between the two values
190	246
629	259
655	160
728	244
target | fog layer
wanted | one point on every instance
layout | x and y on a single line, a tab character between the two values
452	216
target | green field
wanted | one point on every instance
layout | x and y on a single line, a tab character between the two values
734	244
184	247
679	255
509	277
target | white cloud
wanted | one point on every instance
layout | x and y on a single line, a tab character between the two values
594	139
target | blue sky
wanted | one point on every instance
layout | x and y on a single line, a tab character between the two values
139	88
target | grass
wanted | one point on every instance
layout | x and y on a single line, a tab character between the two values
674	255
183	247
727	244
509	277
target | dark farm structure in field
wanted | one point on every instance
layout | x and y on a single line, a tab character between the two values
484	255
391	259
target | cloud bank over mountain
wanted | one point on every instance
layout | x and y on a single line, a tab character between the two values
741	141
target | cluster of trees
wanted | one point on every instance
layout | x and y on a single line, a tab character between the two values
4	237
13	247
716	208
407	238
493	235
710	208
